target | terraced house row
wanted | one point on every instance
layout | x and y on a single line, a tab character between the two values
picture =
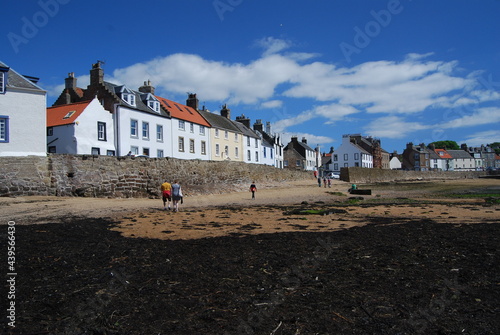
110	119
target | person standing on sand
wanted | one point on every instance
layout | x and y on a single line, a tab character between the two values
166	193
253	189
319	181
176	195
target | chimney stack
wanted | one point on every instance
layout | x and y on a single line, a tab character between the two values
258	126
70	82
192	101
268	128
96	74
225	112
147	88
244	120
304	140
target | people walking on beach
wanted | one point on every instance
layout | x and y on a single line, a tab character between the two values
319	181
324	182
329	181
166	192
176	195
253	189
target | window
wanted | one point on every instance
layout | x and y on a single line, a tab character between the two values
216	132
181	144
285	163
256	143
265	152
271	153
101	131
236	153
226	151
346	157
248	141
191	145
335	158
154	105
182	125
145	130
52	149
356	164
50	131
129	98
159	153
236	137
336	166
297	163
191	127
134	132
145	151
202	130
4	129
96	151
217	150
203	148
2	82
356	156
159	133
256	156
69	114
110	152
134	150
226	134
249	155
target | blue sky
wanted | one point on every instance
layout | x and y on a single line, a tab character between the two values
402	71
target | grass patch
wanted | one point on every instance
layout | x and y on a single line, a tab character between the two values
337	193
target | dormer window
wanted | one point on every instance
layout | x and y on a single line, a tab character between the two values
150	100
129	98
154	105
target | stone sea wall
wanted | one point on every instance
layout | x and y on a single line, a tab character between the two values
105	176
364	175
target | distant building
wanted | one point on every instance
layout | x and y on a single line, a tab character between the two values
373	146
395	162
416	157
445	162
351	154
462	160
299	156
22	114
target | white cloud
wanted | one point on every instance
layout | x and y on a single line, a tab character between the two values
482	116
272	104
332	112
393	127
312	140
484	137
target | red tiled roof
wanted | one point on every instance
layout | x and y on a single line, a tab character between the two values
183	112
443	153
65	114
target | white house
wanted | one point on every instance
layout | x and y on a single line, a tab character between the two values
350	154
189	135
80	128
462	160
22	114
252	142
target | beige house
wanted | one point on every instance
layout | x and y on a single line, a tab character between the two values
226	139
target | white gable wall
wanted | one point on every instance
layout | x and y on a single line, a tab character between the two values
26	112
86	130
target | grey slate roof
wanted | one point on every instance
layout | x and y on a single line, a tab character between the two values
244	130
221	122
459	154
139	105
14	79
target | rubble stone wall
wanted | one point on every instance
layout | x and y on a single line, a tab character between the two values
106	176
364	175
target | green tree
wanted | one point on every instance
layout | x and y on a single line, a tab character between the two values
495	146
452	145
